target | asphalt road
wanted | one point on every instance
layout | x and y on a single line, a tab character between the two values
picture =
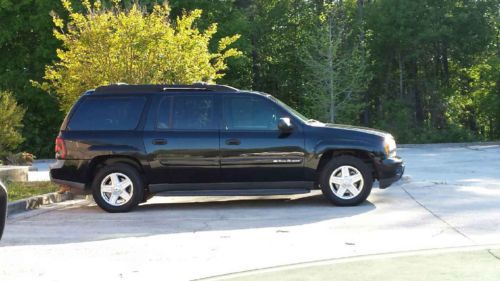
449	197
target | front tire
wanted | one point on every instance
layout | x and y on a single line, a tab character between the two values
117	188
346	181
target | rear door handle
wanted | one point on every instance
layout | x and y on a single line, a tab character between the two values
159	141
233	142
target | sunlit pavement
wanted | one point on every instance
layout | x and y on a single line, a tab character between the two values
450	197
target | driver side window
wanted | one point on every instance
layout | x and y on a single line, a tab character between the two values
250	114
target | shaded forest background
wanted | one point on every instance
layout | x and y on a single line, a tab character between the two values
426	70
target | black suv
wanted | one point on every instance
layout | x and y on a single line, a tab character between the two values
3	207
125	143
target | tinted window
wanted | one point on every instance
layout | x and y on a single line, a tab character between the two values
107	113
187	112
250	113
164	111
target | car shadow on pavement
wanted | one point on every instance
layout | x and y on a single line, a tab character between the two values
90	223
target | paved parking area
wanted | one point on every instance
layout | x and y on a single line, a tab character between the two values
450	197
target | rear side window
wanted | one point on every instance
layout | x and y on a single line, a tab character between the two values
107	113
187	112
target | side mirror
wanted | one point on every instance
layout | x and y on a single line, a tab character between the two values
285	125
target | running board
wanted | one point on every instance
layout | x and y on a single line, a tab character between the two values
234	192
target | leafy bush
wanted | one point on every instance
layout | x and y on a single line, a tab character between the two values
400	122
11	116
452	133
110	45
21	158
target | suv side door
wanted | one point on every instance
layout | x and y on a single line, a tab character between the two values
182	139
252	147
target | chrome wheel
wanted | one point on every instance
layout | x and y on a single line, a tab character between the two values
117	189
346	182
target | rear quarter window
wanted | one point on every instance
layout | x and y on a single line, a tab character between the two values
107	113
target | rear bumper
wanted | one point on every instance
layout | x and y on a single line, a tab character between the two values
390	171
64	172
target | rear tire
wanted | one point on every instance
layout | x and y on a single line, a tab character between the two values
346	180
117	188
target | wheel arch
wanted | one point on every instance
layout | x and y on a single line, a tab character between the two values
328	154
104	160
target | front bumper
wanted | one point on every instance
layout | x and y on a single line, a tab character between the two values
390	171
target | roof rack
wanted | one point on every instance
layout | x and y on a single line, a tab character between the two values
150	88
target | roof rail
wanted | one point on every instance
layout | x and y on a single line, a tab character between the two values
149	88
206	86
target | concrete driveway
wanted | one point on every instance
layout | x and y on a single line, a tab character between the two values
450	197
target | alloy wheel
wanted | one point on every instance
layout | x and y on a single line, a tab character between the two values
117	189
346	182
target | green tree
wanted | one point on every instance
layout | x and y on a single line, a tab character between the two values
11	116
26	46
337	61
433	63
280	31
108	45
232	18
475	101
420	51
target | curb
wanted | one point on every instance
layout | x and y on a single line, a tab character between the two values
36	202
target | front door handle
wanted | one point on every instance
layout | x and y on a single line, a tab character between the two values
159	141
233	142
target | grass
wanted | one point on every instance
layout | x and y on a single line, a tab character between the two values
20	190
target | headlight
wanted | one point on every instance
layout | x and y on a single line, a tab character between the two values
390	146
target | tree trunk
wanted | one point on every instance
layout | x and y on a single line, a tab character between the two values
364	116
255	63
419	111
446	68
400	61
361	4
438	108
252	10
331	70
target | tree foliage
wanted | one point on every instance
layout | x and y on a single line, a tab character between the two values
26	46
422	53
11	116
337	60
109	45
426	71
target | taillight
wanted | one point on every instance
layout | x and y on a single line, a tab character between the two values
60	148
